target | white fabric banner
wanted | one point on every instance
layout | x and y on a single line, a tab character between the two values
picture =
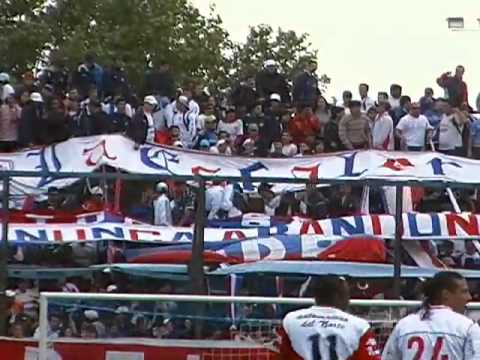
87	154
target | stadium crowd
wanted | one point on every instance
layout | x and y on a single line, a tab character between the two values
264	116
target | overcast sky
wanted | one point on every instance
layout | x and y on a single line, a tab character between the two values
373	41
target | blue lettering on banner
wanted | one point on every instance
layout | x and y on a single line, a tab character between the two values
116	232
414	230
339	225
44	166
350	164
183	236
36	235
247	174
280	229
437	165
159	159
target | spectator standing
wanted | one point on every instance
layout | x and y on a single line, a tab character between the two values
305	85
347	97
272	126
185	119
141	129
10	114
119	119
115	81
161	82
413	129
32	121
395	95
93	121
304	124
245	94
231	125
434	116
95	71
382	130
353	129
366	101
269	81
455	88
255	116
402	110
289	149
56	126
450	139
331	138
475	139
6	89
427	101
322	111
209	131
162	212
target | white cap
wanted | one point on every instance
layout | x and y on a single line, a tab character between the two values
150	99
161	186
112	288
4	77
122	310
91	314
269	62
96	190
183	100
275	97
36	97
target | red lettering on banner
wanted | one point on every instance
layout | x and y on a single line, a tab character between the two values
376	225
312	171
81	234
57	236
315	225
229	235
197	170
397	164
470	226
102	145
134	233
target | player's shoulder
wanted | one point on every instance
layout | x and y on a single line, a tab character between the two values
439	315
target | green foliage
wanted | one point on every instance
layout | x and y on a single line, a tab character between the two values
140	33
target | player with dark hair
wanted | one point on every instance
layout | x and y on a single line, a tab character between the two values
439	330
325	331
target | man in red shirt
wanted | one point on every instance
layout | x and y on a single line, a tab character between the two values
456	88
304	124
325	330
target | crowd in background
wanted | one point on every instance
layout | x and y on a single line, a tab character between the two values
266	115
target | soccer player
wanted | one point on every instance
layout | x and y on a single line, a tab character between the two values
438	331
325	331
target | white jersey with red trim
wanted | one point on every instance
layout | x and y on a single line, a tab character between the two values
328	334
442	335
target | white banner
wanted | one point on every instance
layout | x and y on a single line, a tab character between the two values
87	154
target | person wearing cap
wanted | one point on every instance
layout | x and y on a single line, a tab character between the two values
354	129
142	129
5	88
269	81
305	85
32	121
272	127
208	132
185	119
413	129
162	211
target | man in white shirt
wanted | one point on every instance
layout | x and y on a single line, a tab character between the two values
162	211
395	95
382	129
450	140
185	120
367	102
6	89
413	129
325	330
439	330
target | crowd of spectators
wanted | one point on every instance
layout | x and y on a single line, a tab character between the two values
266	115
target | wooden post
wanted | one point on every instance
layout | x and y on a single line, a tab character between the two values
397	248
4	257
196	271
